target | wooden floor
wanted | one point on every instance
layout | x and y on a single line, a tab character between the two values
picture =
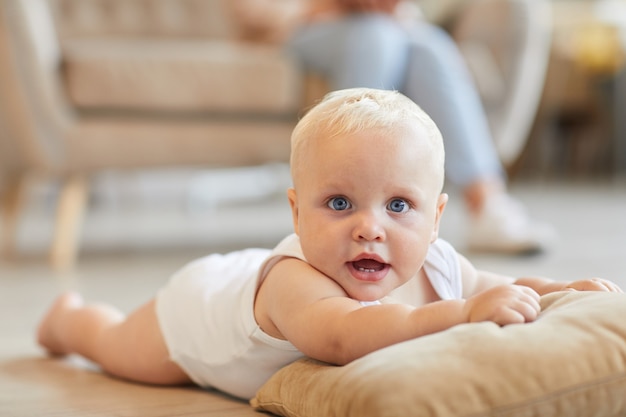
590	220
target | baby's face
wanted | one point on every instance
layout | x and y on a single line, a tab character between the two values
366	208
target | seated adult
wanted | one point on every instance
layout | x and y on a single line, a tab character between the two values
385	44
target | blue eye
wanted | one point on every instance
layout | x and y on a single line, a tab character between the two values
398	205
339	203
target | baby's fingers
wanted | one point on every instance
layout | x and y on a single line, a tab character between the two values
525	308
594	284
515	314
529	309
612	287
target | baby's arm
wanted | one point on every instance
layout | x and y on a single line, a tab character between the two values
300	304
475	281
546	285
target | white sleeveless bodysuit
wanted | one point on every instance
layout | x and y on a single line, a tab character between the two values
206	315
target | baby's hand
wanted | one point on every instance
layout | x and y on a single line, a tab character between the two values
593	284
504	304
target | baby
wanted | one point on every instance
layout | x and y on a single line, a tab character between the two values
365	268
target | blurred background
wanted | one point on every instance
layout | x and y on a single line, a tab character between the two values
138	135
141	128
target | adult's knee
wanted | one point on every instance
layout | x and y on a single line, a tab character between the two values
379	34
433	43
374	53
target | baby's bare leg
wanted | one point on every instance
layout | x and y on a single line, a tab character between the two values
128	347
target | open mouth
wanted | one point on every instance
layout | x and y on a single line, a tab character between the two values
368	269
368	265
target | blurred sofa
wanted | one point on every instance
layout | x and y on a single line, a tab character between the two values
87	85
170	58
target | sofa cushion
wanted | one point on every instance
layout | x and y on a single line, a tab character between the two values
180	75
570	362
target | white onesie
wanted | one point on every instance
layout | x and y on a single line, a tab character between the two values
206	315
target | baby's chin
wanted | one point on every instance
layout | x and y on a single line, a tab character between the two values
368	295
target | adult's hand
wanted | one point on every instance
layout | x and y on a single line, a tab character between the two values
384	6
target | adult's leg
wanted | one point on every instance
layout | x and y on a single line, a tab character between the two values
361	50
129	347
439	81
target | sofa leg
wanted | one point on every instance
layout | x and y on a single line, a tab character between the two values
11	204
69	218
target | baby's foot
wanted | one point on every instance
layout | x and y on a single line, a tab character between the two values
48	331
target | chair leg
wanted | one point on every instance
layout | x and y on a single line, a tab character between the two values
69	218
11	204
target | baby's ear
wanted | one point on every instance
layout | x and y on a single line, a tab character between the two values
441	205
293	202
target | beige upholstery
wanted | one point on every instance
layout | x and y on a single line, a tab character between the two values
210	77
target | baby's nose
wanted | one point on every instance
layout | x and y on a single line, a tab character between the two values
369	227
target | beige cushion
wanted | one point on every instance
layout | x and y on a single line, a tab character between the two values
96	143
180	75
570	362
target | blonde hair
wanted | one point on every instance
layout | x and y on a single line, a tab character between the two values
349	111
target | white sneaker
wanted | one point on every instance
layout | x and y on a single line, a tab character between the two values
503	226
